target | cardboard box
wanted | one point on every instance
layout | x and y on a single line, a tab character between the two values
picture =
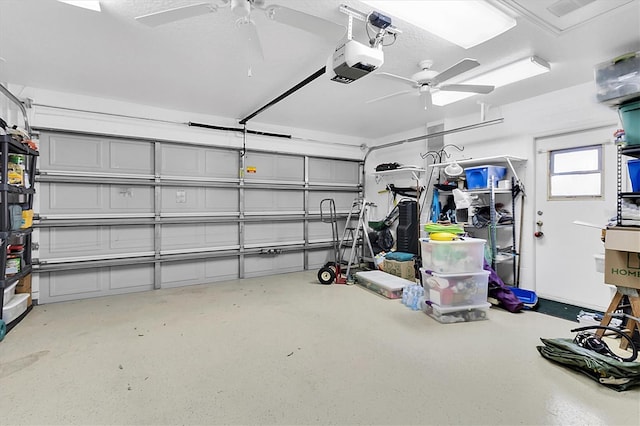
404	270
622	268
24	286
622	239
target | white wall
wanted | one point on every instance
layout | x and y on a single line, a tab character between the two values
565	110
149	125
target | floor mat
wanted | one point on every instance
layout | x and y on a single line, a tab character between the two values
560	310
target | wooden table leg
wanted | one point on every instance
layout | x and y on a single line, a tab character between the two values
613	306
632	324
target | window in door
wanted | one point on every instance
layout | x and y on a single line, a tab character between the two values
576	172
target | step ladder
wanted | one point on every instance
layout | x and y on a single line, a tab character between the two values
356	237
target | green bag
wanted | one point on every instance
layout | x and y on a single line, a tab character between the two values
605	370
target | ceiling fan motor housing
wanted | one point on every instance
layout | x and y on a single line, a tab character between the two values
241	8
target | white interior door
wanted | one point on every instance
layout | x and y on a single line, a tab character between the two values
565	264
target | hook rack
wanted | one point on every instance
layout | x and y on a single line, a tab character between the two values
441	153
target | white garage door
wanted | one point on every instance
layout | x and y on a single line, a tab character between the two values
119	215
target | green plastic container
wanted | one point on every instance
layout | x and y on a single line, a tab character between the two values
630	116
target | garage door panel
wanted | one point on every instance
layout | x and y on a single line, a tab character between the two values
336	171
131	198
273	200
71	198
93	282
95	154
75	282
273	232
193	236
131	157
65	152
177	199
201	271
318	258
182	272
320	231
78	199
221	200
126	277
221	163
68	242
342	200
131	238
261	265
184	199
276	167
221	269
199	162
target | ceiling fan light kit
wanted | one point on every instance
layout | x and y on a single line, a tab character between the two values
519	70
93	5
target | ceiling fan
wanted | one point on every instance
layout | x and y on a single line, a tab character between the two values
243	10
427	80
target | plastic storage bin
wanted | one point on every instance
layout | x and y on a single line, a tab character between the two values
456	289
618	80
9	292
382	283
453	257
480	177
630	117
634	172
451	314
16	307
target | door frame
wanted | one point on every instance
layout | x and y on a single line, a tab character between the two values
536	142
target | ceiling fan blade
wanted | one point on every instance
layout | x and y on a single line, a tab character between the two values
463	66
306	22
413	83
393	95
176	14
474	88
250	35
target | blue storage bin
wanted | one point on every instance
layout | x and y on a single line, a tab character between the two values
479	177
630	117
634	174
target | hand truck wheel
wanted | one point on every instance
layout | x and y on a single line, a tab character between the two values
326	275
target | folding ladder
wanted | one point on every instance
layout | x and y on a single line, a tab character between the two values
356	234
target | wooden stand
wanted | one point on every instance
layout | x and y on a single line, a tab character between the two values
617	303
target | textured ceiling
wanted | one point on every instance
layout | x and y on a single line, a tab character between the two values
201	64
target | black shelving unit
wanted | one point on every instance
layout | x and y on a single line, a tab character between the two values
628	151
15	195
489	231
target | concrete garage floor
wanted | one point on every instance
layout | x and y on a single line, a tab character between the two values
285	350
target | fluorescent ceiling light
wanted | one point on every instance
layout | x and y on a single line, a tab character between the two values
466	23
510	73
85	4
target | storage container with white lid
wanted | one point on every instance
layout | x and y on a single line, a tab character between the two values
446	290
451	314
16	307
453	257
8	293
